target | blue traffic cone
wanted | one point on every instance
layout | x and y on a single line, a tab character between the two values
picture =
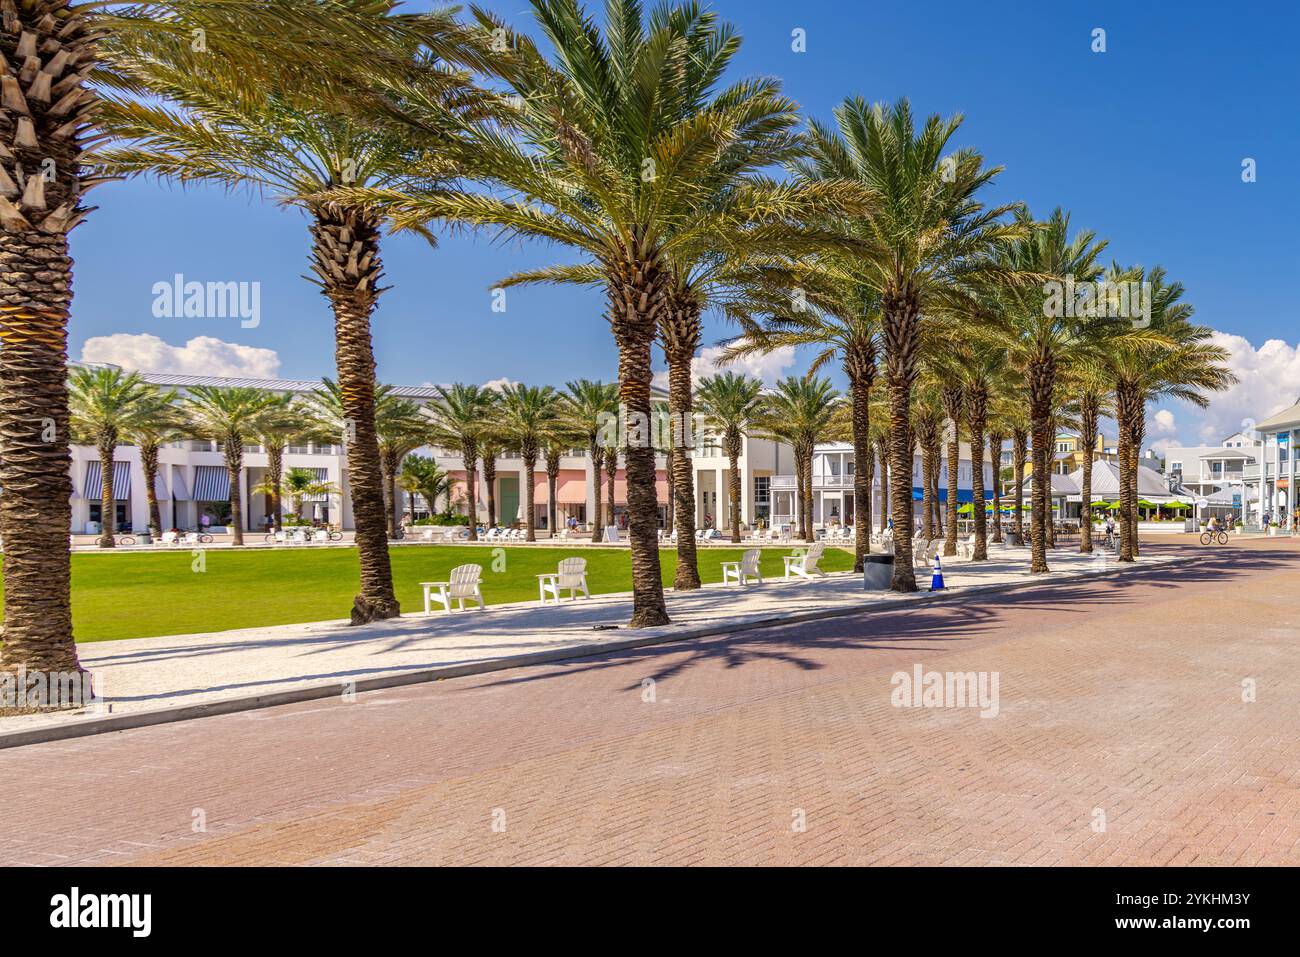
936	580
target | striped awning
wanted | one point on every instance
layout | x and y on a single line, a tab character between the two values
160	486
211	483
121	481
180	491
322	475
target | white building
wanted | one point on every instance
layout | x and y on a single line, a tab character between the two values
1226	475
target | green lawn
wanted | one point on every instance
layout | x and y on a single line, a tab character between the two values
158	593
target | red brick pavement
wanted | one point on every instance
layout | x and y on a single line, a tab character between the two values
1118	700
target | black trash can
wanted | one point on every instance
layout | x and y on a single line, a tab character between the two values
1013	540
877	572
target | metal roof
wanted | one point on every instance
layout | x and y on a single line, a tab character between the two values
273	385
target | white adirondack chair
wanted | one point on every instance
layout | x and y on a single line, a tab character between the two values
571	577
966	547
745	569
805	565
463	587
923	556
427	533
170	538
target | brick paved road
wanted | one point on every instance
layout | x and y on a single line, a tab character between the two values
1120	704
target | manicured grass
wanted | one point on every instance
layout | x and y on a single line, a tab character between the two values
159	593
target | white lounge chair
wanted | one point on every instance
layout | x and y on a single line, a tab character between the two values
169	538
966	547
463	587
923	556
805	565
744	569
571	576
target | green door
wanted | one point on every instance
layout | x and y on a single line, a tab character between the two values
507	499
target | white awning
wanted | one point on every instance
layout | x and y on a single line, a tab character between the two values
211	483
121	481
180	491
321	476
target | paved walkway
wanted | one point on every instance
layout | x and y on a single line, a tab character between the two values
149	674
1123	737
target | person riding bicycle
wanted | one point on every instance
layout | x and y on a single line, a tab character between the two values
1110	529
1213	525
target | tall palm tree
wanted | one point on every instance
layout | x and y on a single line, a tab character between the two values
400	428
421	474
150	433
490	449
49	110
1041	337
462	416
228	416
623	138
799	412
927	427
215	120
925	250
588	408
1089	381
106	405
280	421
528	415
730	404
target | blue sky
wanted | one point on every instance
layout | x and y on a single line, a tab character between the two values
1143	143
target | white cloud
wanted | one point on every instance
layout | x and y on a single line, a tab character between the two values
499	384
1269	381
768	366
1162	423
202	355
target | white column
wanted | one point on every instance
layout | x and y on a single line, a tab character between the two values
746	490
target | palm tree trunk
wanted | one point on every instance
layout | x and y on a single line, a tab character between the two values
1042	375
680	404
952	398
234	449
346	258
275	478
979	406
595	452
882	453
386	484
1126	411
995	455
1019	452
901	328
733	486
149	462
670	456
107	445
863	465
530	496
552	488
1089	413
635	300
1135	450
469	456
798	493
611	471
808	534
490	482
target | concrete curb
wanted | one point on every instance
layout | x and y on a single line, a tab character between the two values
144	719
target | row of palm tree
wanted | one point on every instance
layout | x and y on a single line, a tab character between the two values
622	143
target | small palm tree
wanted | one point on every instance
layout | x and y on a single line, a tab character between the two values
106	405
462	416
528	416
491	449
298	484
228	416
799	412
730	404
150	433
924	250
589	407
421	474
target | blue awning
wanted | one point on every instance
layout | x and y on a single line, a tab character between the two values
121	481
964	495
211	483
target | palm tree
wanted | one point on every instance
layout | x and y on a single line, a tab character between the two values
1088	380
589	407
106	405
730	404
1041	337
298	483
219	120
228	416
527	417
799	412
1170	357
422	474
927	421
925	250
49	110
462	416
401	428
624	149
491	450
150	433
280	421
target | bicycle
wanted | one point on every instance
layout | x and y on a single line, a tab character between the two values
1220	537
124	539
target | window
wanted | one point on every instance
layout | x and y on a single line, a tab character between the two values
762	496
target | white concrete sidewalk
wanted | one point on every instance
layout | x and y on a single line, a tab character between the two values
189	675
